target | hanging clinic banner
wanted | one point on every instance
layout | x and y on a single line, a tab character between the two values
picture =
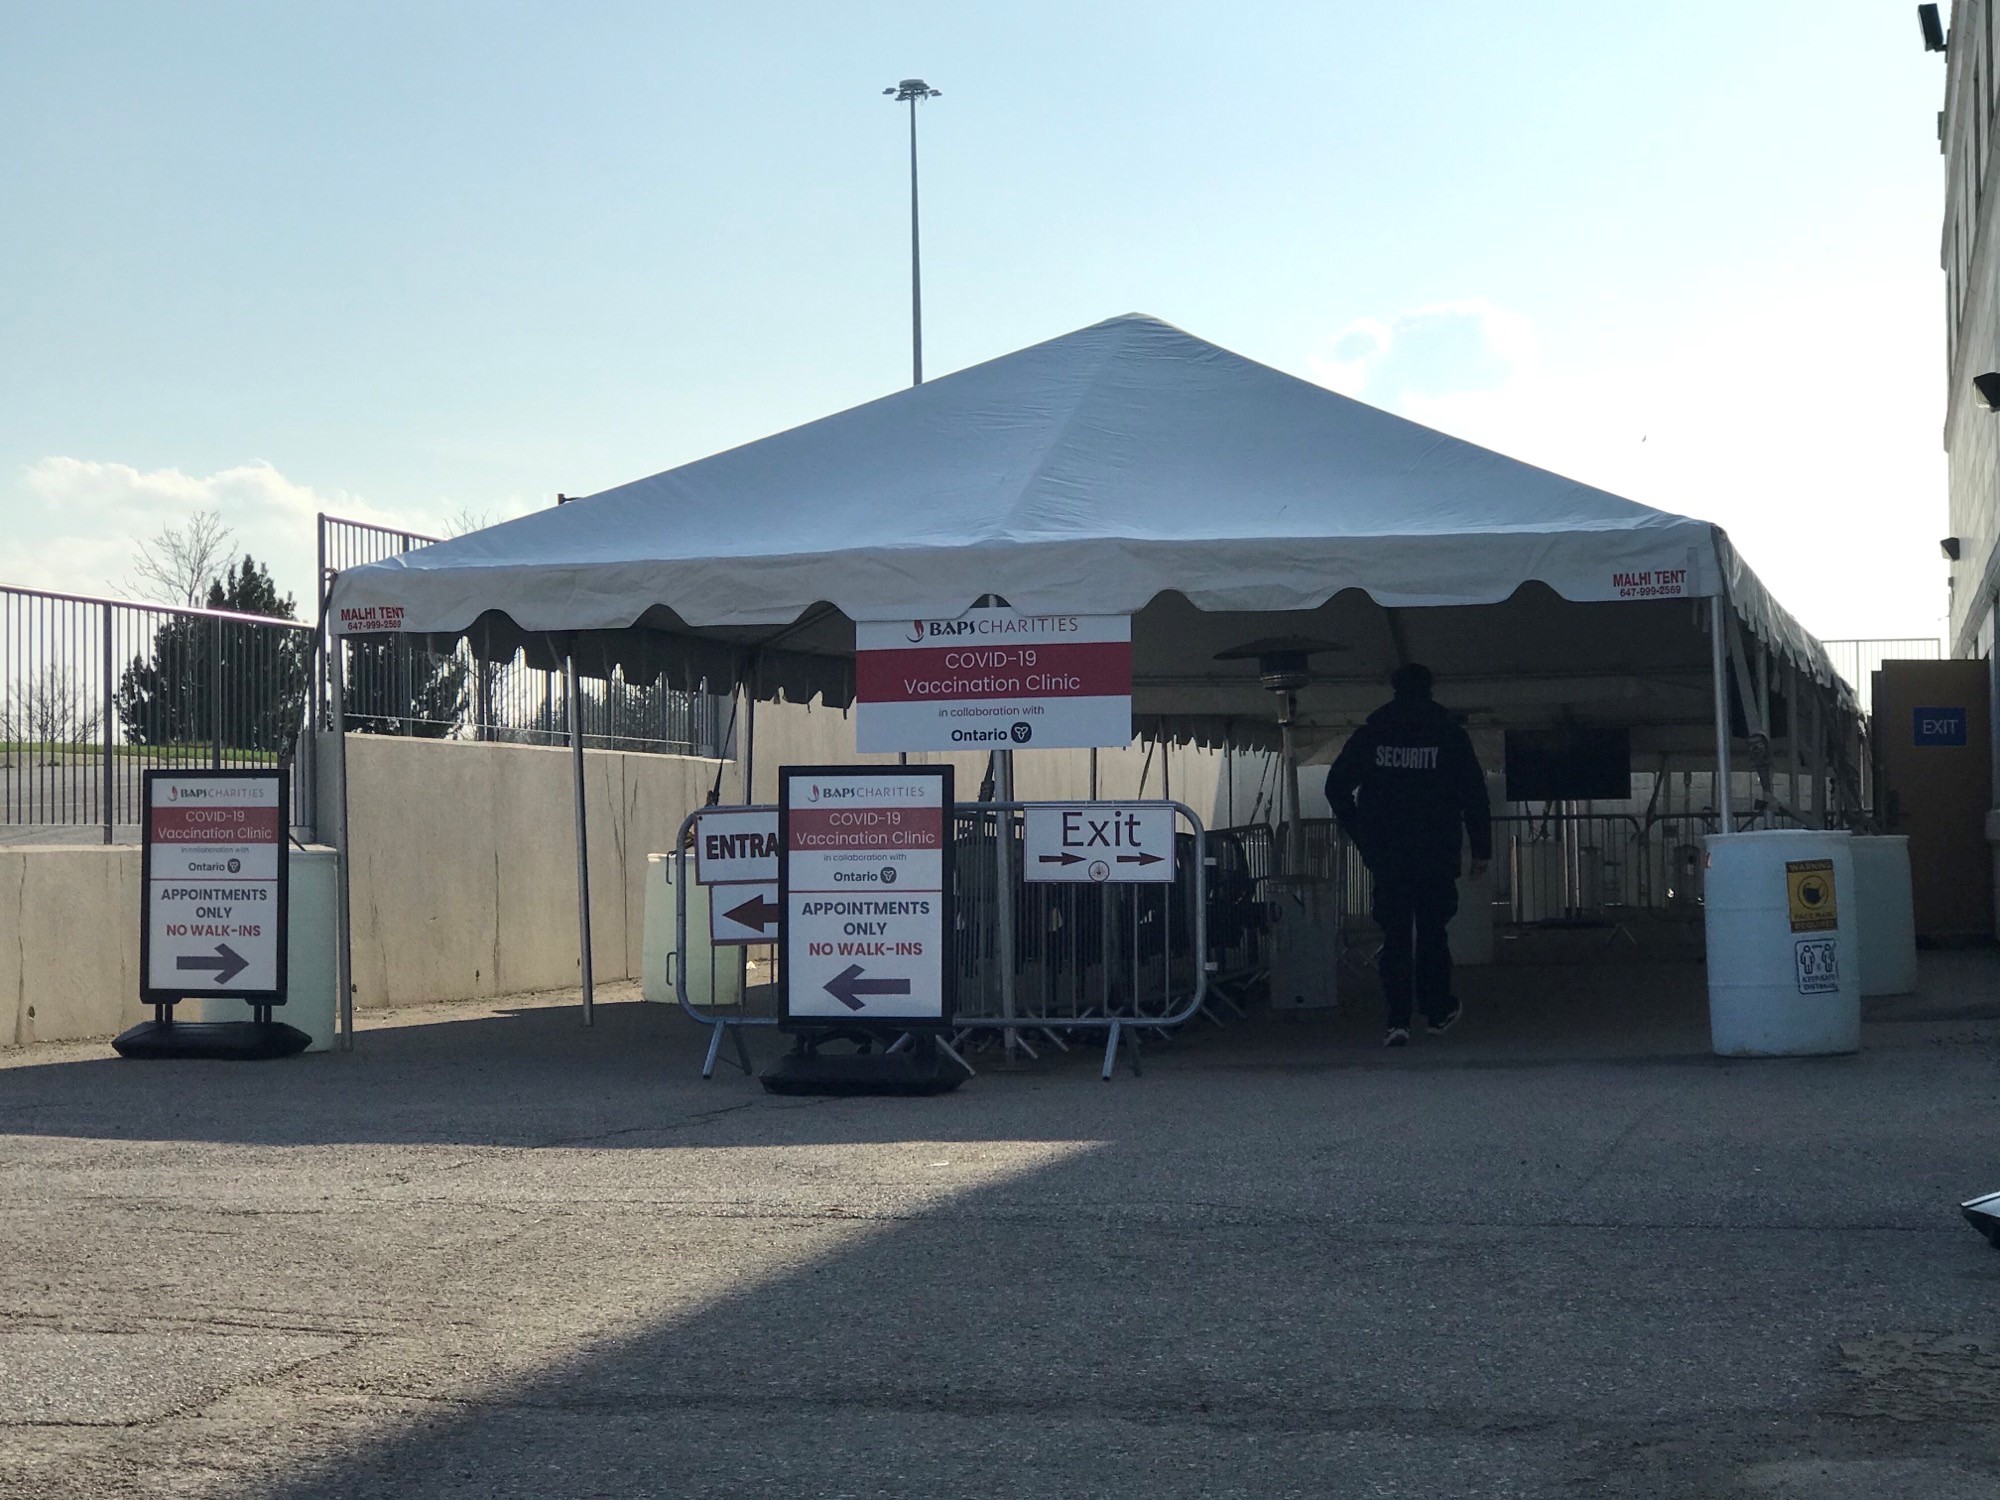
993	679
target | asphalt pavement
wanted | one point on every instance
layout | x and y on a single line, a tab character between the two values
1560	1251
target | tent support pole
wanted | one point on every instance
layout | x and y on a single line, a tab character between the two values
343	970
1792	736
575	698
1288	789
1718	663
1816	760
749	798
1003	886
1093	775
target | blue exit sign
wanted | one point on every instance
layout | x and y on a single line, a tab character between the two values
1938	726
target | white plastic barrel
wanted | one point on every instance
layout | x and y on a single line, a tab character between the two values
1538	880
1782	915
714	975
1887	931
1471	931
311	919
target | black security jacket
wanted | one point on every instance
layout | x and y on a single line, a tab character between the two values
1406	786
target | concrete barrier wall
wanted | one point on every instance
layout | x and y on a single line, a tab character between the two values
464	862
69	942
464	865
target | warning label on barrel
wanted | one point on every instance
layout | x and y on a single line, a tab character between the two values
1818	966
1809	883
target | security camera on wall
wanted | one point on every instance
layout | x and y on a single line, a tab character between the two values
1933	28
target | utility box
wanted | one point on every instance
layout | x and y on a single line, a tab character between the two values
1933	767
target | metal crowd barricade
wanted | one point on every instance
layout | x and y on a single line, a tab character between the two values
1120	959
719	1019
1114	958
1241	862
1594	867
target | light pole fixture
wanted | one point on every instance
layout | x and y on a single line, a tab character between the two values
913	91
1988	386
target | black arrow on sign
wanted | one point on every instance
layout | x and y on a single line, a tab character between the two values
1141	859
227	963
848	985
756	913
1061	859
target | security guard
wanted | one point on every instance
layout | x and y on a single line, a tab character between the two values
1407	789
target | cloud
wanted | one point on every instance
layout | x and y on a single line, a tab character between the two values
86	517
1431	351
1703	411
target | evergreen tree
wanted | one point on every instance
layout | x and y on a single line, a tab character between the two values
203	676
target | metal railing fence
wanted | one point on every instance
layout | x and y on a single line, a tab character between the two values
94	692
1857	660
396	686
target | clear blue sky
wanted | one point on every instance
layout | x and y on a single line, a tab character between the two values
405	259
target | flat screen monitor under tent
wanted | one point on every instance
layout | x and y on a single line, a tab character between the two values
1568	765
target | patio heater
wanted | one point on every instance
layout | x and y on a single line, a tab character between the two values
1284	665
1306	911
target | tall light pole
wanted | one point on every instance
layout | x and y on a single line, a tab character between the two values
914	91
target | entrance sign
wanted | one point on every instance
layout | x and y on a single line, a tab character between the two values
743	913
736	846
216	880
865	894
1099	843
993	679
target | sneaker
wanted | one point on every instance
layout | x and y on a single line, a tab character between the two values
1399	1036
1449	1020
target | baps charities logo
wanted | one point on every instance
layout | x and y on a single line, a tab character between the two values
812	791
1003	624
1651	583
1021	732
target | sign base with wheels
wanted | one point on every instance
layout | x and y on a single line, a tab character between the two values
228	1041
925	1066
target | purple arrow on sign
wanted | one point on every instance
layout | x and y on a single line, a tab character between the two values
848	986
756	913
227	963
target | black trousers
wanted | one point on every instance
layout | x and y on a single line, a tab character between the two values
1416	959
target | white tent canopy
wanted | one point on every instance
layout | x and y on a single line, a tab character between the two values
1125	468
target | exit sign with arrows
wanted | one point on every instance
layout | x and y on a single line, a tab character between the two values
1099	843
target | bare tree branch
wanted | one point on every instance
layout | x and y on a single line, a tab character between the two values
177	565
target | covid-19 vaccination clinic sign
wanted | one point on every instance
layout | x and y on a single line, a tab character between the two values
994	679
